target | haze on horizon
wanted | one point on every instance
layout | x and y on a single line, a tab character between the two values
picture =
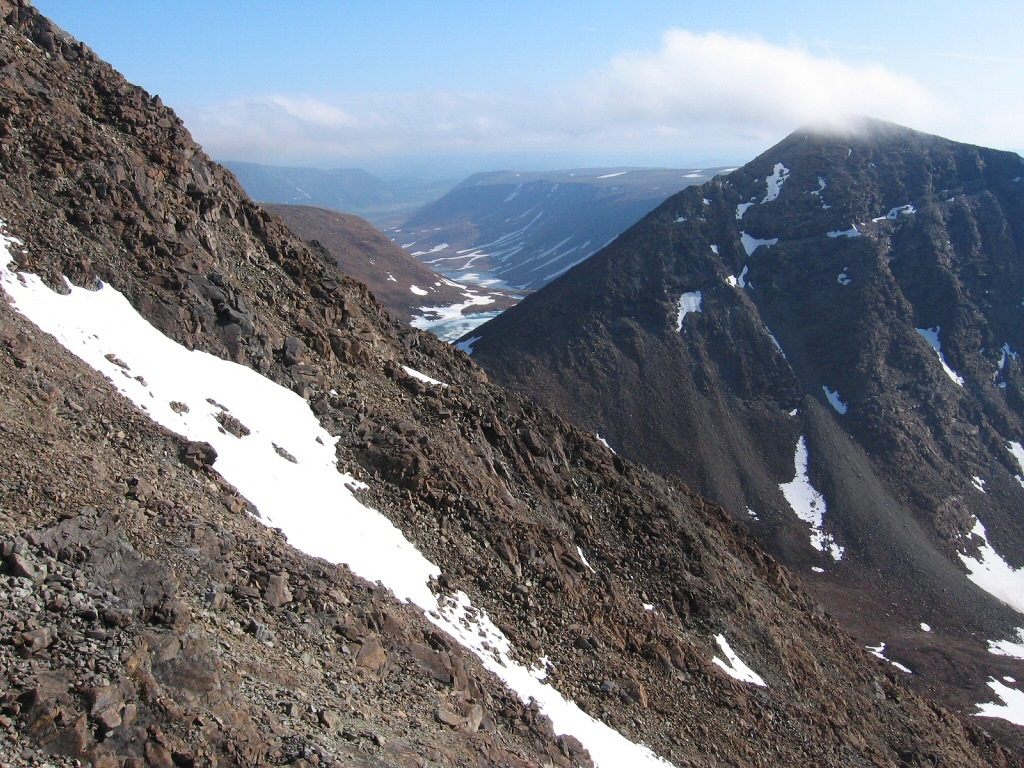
454	87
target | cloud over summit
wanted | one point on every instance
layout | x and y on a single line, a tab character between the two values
696	93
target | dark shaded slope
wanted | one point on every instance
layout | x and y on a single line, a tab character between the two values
722	401
103	182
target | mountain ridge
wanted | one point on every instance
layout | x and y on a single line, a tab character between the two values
223	645
802	298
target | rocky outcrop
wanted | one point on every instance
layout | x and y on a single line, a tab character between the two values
152	620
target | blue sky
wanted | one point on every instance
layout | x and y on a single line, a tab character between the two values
430	86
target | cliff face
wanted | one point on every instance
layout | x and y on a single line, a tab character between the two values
153	619
851	298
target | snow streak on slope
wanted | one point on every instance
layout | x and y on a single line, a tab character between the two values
734	665
308	498
993	574
1018	453
779	174
931	335
809	504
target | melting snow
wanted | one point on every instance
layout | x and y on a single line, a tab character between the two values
879	651
779	175
993	574
851	232
809	504
417	290
833	398
435	249
817	569
391	278
895	213
308	499
613	175
978	483
467	345
422	377
584	559
604	442
751	243
925	627
688	302
1018	453
1012	707
680	220
844	279
1008	647
714	249
931	335
648	606
738	281
734	666
741	209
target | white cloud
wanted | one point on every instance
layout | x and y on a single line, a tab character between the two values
699	93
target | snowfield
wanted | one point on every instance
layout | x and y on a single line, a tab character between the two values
809	505
308	498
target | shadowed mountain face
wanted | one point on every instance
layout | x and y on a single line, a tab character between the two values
847	308
150	616
525	229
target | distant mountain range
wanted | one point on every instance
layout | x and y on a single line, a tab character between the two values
348	190
827	342
523	230
407	287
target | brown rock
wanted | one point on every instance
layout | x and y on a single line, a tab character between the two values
277	593
372	655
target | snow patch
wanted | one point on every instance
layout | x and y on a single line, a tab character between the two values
978	483
895	213
844	279
851	232
1012	707
688	302
1009	648
604	442
751	243
680	220
809	504
422	377
931	335
925	627
734	665
324	519
741	209
714	249
738	281
417	290
1018	453
835	401
993	574
613	175
879	651
583	557
391	278
467	345
779	174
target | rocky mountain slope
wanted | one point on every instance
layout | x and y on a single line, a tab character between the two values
408	288
150	618
351	190
526	229
826	342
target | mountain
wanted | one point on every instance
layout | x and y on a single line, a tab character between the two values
250	518
525	229
351	190
408	288
826	342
